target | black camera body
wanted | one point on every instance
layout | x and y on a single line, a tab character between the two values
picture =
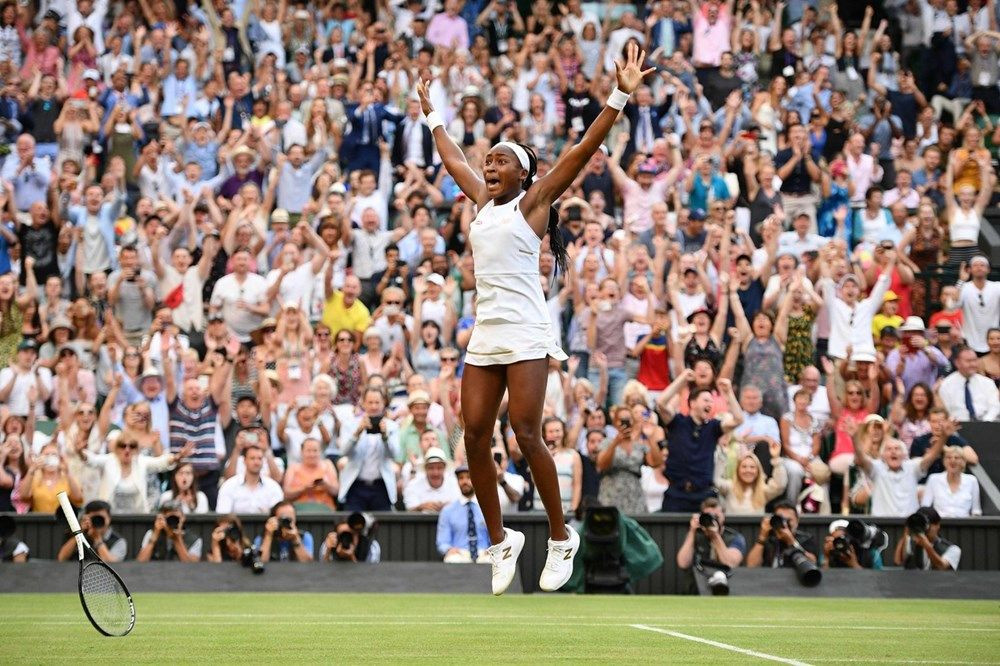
251	560
917	523
707	520
375	427
284	523
173	521
233	533
778	522
806	571
97	521
345	540
841	546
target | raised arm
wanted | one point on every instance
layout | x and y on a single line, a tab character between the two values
452	156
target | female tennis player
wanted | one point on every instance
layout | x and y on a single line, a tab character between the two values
512	337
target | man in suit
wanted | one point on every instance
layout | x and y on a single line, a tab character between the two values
644	116
367	119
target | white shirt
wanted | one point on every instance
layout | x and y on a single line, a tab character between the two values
980	312
228	291
190	314
418	490
962	503
296	286
791	242
985	397
516	483
819	408
894	492
17	401
235	496
853	326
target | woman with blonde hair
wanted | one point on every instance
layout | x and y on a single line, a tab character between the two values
47	475
953	493
748	492
290	346
969	181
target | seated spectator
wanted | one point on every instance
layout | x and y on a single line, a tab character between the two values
249	492
772	546
352	541
926	550
47	476
168	541
431	490
412	431
952	493
461	531
182	491
840	551
312	484
968	395
95	523
715	543
282	541
943	431
750	490
228	540
510	486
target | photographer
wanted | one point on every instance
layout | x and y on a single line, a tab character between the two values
227	540
12	549
352	541
95	523
921	546
841	550
709	540
282	541
167	540
778	534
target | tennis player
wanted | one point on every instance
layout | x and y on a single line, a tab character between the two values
512	338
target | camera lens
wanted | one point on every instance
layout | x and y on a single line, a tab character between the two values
285	523
706	520
778	522
233	533
173	521
98	521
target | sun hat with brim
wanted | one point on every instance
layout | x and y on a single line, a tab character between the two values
257	335
850	276
61	322
150	373
913	324
435	454
419	397
863	357
873	418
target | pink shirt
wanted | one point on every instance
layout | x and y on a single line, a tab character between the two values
448	31
863	173
711	40
639	202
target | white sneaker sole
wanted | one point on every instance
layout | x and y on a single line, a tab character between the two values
552	586
512	551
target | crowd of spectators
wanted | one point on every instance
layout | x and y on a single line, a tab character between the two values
235	278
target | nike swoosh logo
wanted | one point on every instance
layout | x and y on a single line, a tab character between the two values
569	555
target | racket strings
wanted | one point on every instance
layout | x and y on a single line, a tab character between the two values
106	600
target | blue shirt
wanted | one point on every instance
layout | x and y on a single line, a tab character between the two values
453	527
759	424
282	551
692	450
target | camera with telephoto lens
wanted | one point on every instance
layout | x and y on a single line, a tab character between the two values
251	559
97	521
806	571
707	520
917	523
173	521
861	533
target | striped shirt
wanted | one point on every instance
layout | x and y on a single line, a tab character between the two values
198	426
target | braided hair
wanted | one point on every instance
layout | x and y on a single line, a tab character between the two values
556	244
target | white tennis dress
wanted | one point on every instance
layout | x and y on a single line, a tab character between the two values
512	319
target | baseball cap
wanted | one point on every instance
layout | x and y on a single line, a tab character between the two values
889	332
434	278
246	395
435	454
839	524
913	324
150	373
890	295
648	167
697	214
28	344
460	469
418	397
290	305
216	316
301	14
850	276
279	216
92	74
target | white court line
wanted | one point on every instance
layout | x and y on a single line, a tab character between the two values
721	646
840	660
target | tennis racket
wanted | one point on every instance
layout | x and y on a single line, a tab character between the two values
103	594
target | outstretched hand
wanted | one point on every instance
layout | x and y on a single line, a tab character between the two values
424	96
630	74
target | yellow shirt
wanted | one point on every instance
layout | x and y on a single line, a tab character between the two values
338	317
880	321
43	496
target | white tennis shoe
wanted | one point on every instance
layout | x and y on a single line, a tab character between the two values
503	557
559	563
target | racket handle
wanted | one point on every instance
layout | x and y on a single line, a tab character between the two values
68	511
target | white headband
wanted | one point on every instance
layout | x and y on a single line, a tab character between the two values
520	153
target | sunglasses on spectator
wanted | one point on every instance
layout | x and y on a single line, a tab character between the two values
85	412
322	334
394	302
66	352
132	354
449	359
854	393
128	445
345	339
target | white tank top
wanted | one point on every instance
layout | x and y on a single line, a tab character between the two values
505	249
964	225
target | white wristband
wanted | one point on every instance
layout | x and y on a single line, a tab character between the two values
618	99
434	120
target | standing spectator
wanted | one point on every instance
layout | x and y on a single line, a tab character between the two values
979	299
620	462
132	293
183	492
916	361
313	482
368	482
28	173
241	297
798	171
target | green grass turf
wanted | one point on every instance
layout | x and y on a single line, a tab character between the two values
342	628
